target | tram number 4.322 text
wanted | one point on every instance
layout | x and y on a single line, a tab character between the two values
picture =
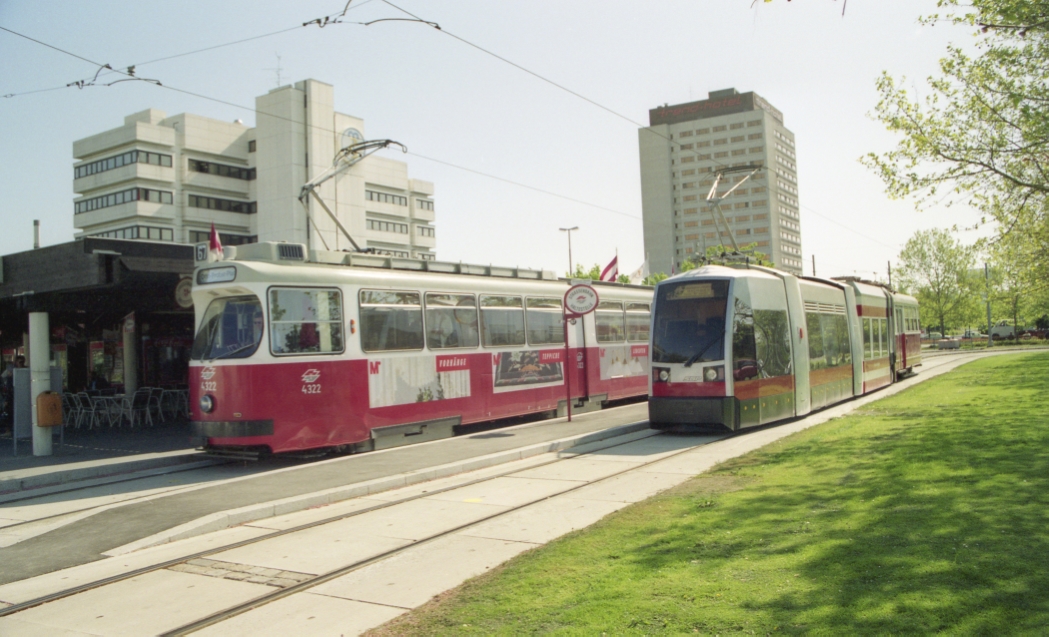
313	388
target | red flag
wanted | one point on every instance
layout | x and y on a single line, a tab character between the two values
611	271
214	246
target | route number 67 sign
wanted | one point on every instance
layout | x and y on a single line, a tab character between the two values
579	300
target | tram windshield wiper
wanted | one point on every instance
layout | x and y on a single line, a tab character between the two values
695	357
236	351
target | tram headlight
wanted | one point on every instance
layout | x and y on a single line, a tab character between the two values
207	403
660	375
711	374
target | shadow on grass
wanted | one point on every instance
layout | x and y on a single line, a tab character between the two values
930	514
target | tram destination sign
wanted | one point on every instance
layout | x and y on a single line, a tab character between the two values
580	299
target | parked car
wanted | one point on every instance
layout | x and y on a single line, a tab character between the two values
1003	329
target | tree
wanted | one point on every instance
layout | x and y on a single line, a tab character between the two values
981	136
938	269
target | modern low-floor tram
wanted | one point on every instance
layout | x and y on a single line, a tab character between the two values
735	347
302	349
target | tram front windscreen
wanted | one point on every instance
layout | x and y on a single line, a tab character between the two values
690	322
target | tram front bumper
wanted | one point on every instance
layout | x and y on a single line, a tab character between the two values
713	412
231	428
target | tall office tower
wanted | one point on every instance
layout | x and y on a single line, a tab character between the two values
166	178
682	151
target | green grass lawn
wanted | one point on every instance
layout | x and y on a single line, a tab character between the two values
924	512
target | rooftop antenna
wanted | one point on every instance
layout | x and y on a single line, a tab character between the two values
344	160
716	200
277	70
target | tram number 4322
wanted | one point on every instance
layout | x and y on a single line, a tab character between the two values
309	380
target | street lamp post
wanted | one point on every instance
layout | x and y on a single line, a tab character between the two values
571	265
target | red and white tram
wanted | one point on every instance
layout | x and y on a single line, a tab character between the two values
743	346
299	351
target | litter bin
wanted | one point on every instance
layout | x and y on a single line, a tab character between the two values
49	409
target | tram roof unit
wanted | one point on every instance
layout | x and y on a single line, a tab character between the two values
296	255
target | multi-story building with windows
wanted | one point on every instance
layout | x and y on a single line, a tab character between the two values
169	178
682	150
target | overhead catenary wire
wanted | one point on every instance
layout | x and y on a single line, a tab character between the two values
334	19
330	130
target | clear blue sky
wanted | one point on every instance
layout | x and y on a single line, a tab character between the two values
448	101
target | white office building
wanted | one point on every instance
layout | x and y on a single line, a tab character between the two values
682	150
166	178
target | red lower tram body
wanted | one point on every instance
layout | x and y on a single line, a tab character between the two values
383	401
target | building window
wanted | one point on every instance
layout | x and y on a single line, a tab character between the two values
686	146
737	138
222	170
755	122
686	133
139	232
383	197
388	226
688	160
703	144
691	211
203	236
689	198
742	232
390	253
424	204
761	244
226	205
691	224
720	142
762	230
738	152
425	231
718	129
702	131
736	125
760	217
251	146
123	159
690	171
425	256
721	154
124	196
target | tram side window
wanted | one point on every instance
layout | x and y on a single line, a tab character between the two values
883	337
545	324
638	322
231	328
502	321
610	322
817	348
391	321
451	321
744	350
305	321
772	340
867	350
836	339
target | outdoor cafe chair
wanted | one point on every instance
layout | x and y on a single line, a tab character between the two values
136	407
71	411
155	404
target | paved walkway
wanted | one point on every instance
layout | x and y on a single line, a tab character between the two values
88	539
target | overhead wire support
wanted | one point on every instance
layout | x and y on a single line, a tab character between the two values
716	200
344	160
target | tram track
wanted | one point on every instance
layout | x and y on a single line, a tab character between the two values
318	579
59	595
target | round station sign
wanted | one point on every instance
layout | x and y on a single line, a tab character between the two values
580	299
